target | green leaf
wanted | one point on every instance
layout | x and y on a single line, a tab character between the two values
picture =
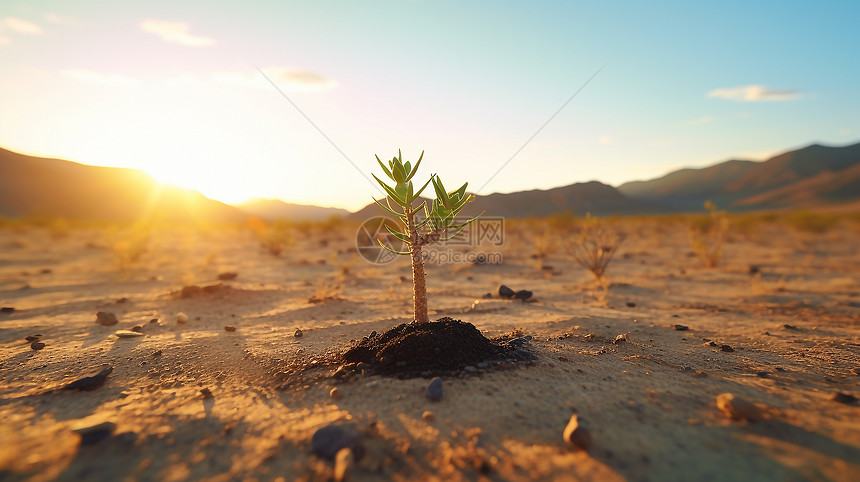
387	208
466	223
384	169
422	189
441	195
397	234
462	191
409	195
390	192
415	169
448	238
391	250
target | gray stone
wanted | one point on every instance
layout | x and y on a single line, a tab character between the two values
332	438
106	318
434	389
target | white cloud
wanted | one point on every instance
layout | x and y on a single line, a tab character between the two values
287	79
753	93
175	32
701	120
90	76
58	20
22	26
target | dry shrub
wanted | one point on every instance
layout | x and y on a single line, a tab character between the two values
326	291
130	245
595	246
809	222
708	234
273	237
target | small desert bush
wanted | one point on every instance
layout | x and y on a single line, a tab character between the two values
274	237
809	222
129	246
708	234
594	246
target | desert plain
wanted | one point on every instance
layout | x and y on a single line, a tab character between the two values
641	357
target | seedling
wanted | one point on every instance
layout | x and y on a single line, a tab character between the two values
439	217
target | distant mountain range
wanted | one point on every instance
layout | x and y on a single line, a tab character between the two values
274	209
811	177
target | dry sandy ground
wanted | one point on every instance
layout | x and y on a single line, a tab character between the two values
649	401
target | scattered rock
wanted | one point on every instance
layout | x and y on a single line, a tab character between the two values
343	463
843	397
487	296
155	321
763	374
298	333
32	338
106	318
335	394
90	382
137	328
205	393
577	433
331	439
181	317
428	416
520	341
37	345
7	309
95	433
631	304
727	348
681	327
754	269
229	328
470	369
434	389
712	343
127	334
523	295
506	292
620	338
122	300
738	408
789	327
228	276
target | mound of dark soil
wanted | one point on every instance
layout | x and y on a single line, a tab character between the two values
422	349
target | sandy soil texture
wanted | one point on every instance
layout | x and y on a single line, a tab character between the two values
641	364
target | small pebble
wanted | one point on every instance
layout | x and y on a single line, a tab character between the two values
329	440
621	338
470	369
206	393
789	327
843	397
335	394
727	348
32	338
506	292
483	364
712	343
90	382
227	276
105	318
763	374
428	416
631	305
434	389
137	328
523	295
343	462
7	309
127	334
577	433
95	433
681	327
298	333
738	408
181	317
37	345
229	328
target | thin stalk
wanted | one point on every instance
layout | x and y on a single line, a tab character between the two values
419	289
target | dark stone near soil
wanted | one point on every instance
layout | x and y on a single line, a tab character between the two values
789	327
518	342
7	309
106	318
37	345
206	393
487	296
229	328
523	295
754	269
506	292
845	398
712	343
441	347
137	329
727	348
122	300
434	389
32	338
95	433
681	327
298	333
631	305
90	382
329	440
227	276
763	374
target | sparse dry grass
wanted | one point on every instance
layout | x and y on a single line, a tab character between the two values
595	246
708	234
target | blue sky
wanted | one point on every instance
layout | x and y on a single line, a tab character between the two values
172	88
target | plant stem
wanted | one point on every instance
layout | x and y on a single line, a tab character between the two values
419	288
